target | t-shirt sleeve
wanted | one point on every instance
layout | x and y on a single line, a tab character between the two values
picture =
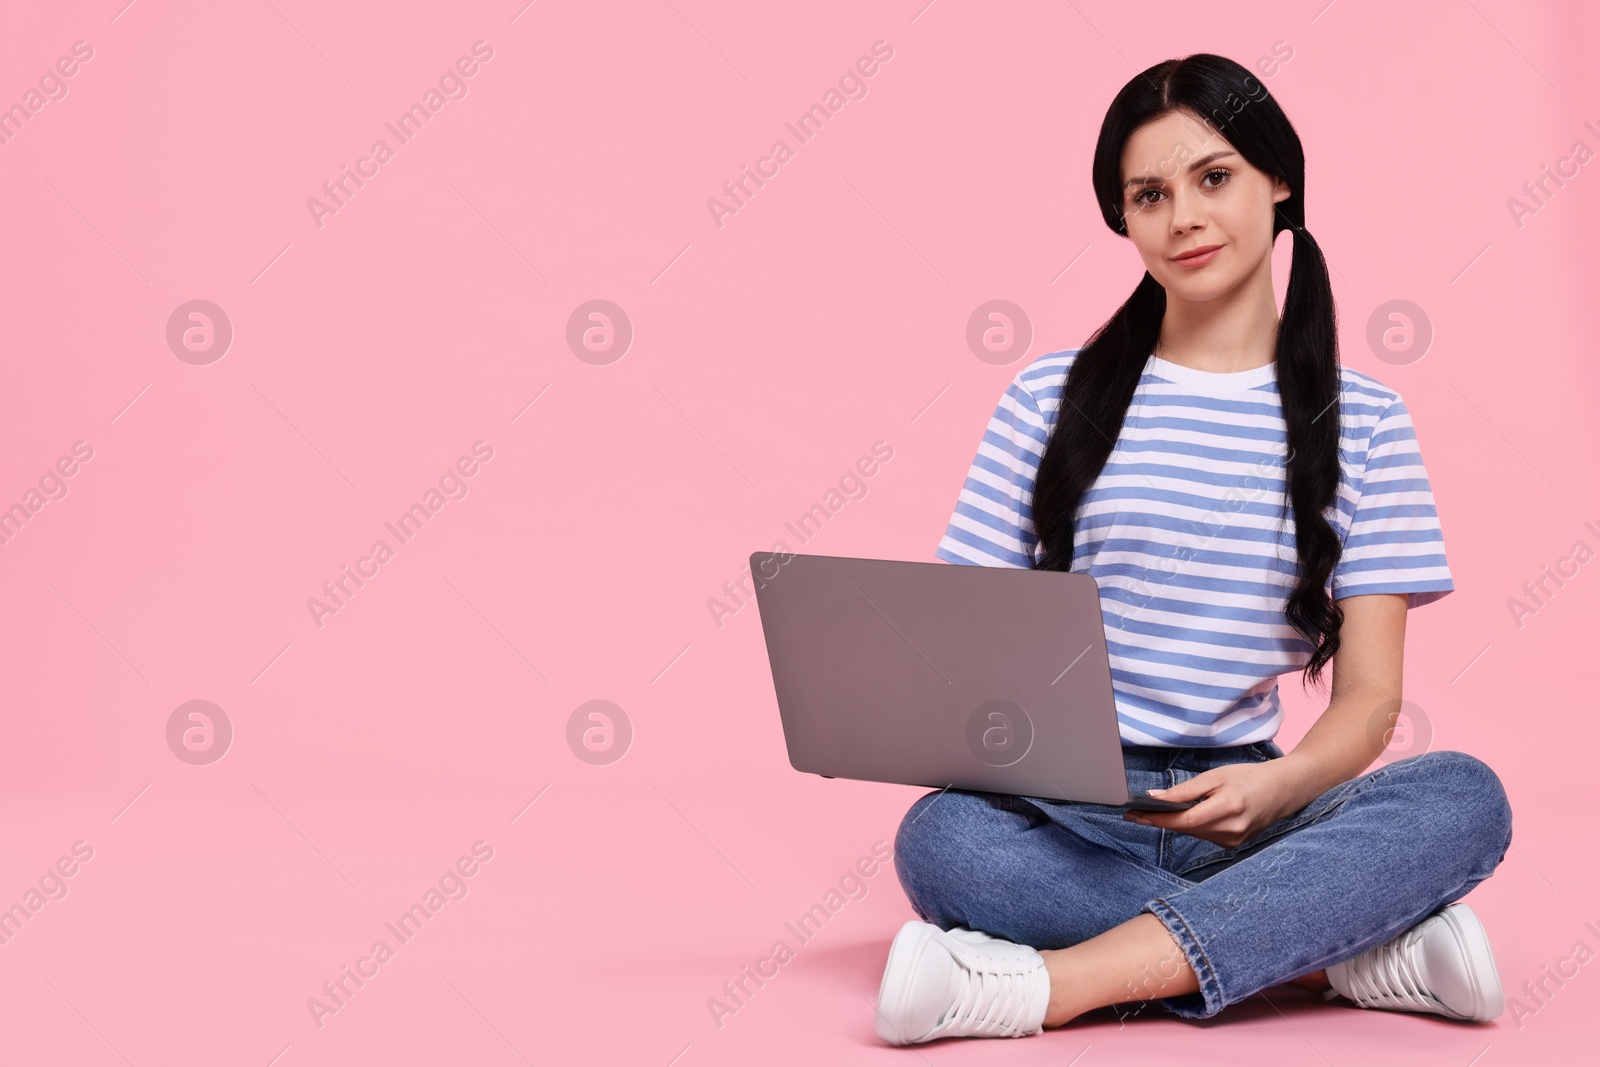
993	521
1395	544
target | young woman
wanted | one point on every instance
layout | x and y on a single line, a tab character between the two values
1248	508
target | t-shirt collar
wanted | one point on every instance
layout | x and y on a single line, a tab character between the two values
1210	382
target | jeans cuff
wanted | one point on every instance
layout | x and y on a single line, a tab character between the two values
1208	1001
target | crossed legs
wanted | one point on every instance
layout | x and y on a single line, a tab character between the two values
1396	845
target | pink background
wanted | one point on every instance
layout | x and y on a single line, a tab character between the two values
768	354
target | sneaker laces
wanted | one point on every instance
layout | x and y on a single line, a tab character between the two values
1388	977
1001	986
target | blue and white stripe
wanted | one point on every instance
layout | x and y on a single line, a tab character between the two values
1185	533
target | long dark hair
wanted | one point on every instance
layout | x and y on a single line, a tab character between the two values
1103	377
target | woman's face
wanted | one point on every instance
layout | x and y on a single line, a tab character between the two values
1185	188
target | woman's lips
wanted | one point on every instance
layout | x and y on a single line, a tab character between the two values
1198	261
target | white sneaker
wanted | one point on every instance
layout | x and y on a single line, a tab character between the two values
1442	965
959	983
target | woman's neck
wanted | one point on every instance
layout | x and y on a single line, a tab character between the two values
1232	333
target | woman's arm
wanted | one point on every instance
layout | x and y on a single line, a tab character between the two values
1356	726
1242	799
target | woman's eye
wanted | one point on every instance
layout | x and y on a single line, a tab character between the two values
1224	174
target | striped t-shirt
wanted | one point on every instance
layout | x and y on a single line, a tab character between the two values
1183	533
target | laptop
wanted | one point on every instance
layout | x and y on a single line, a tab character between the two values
994	679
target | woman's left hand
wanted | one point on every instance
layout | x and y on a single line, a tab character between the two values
1237	802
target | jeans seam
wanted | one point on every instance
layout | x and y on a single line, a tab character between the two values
1164	837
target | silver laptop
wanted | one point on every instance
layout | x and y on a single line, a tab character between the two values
933	674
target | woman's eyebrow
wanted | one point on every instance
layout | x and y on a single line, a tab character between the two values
1196	165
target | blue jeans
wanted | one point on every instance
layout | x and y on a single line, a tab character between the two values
1361	863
